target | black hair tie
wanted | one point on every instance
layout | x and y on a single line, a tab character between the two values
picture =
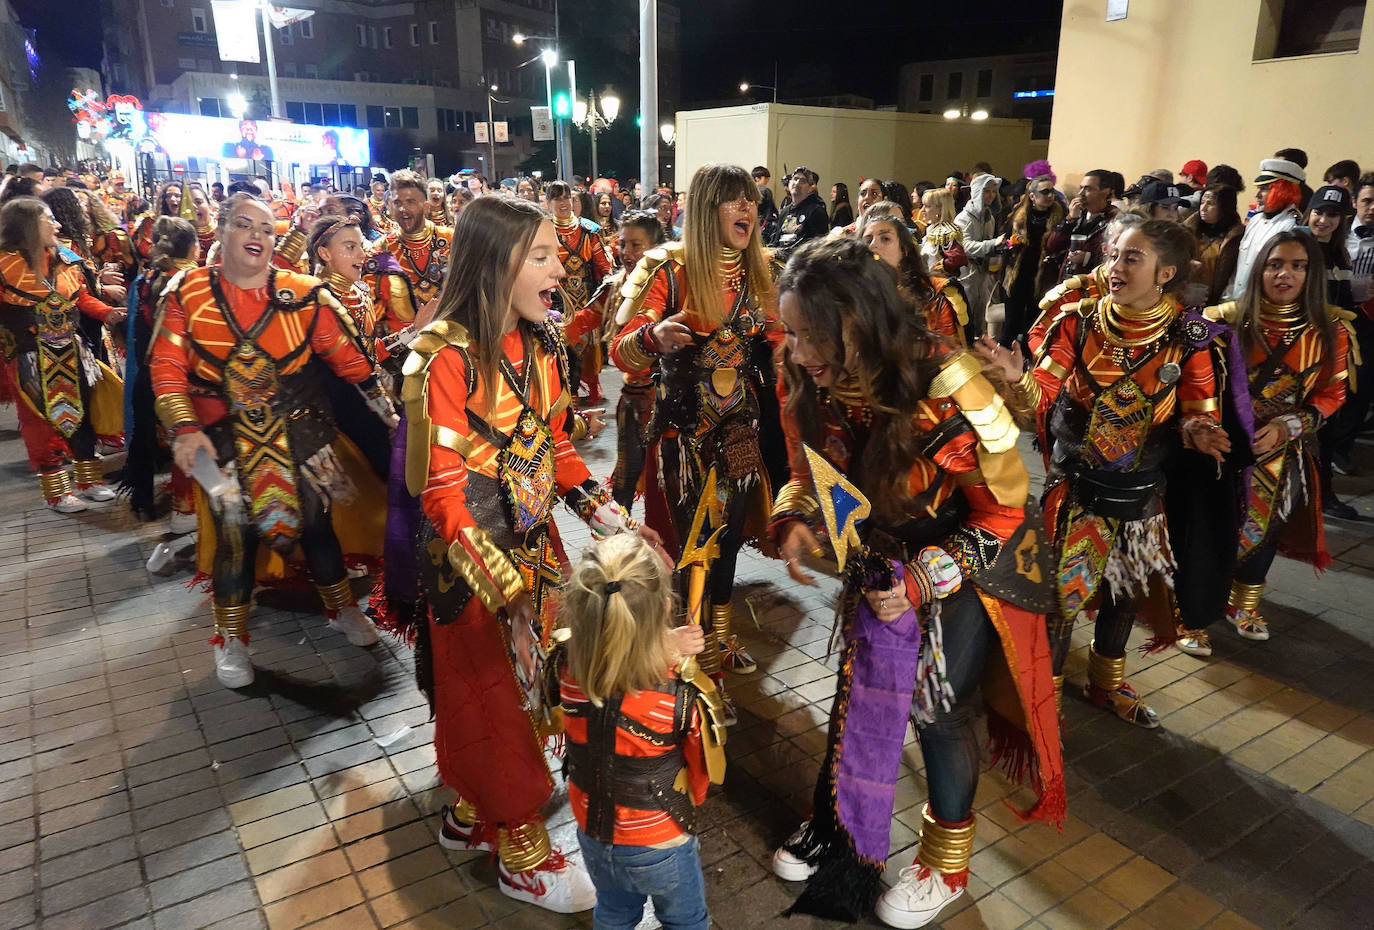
612	587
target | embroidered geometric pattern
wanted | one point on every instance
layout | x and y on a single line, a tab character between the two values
1121	417
261	446
1087	543
526	470
1262	500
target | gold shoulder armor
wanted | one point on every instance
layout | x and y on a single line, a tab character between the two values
961	379
1057	293
638	282
1228	313
415	396
712	709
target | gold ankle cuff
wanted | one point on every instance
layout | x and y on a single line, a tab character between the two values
87	472
523	847
1105	674
709	659
1059	695
337	596
54	484
1245	597
231	619
464	811
944	849
721	615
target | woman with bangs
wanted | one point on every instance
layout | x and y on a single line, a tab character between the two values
930	612
940	300
704	311
488	456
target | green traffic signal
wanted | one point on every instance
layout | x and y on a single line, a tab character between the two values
562	108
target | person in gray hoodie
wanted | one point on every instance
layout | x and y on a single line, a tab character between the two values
978	223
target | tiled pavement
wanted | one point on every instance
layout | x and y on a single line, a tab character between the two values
137	793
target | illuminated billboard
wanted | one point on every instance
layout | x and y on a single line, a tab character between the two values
182	136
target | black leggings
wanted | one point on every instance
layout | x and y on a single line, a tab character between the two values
236	549
1115	617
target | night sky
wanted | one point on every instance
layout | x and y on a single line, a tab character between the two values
728	41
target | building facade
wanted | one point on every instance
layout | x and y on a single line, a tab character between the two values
18	74
1227	81
415	73
1006	86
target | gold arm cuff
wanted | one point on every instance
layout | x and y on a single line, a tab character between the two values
634	356
292	246
524	846
1206	405
176	339
87	472
1105	674
559	405
176	410
1339	376
337	596
490	574
795	498
579	427
1059	695
944	849
450	439
954	374
1030	389
231	619
54	484
1054	368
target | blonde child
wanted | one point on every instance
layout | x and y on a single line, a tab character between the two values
644	738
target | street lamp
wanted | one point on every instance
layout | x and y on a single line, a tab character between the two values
237	104
745	87
978	115
586	115
549	55
669	132
491	133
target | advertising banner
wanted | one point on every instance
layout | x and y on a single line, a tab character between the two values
182	136
236	28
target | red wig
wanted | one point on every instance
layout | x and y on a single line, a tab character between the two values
1280	195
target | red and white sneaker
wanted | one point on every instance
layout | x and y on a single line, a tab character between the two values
558	884
919	895
454	834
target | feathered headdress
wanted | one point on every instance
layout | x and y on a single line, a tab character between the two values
1038	168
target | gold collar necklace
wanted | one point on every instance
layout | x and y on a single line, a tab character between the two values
1144	326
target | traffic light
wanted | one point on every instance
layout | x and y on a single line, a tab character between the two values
639	120
562	105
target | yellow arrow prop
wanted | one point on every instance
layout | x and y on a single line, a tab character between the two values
842	505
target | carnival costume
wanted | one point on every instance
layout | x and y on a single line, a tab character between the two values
488	470
976	570
1297	381
708	410
946	313
423	258
236	363
583	254
65	397
1110	388
393	307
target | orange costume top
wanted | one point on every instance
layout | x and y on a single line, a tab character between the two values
143	238
947	312
114	245
39	318
1298	382
583	254
423	259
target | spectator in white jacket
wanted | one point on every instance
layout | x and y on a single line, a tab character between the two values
978	223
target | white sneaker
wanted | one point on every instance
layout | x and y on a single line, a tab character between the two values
353	623
179	524
920	894
560	885
454	834
233	667
788	867
68	503
160	559
98	493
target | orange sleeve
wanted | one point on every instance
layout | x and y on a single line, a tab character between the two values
336	348
959	456
1332	382
169	360
568	468
626	352
91	305
444	498
1198	386
1054	360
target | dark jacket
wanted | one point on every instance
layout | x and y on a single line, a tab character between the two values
801	221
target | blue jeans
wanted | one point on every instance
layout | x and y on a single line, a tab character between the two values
625	876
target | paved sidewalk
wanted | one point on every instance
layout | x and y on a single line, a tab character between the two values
135	792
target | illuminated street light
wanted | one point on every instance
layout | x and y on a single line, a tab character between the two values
978	114
237	104
951	113
549	56
669	132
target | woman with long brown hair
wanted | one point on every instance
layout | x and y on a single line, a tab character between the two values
704	311
939	299
43	295
1217	227
1295	347
488	456
1030	272
922	434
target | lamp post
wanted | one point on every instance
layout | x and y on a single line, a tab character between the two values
491	134
588	116
550	58
745	87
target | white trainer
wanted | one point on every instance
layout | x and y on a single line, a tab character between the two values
233	667
559	884
68	503
354	624
454	834
98	493
920	894
791	868
179	524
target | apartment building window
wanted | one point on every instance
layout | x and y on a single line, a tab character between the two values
198	20
372	36
209	106
348	115
386	37
311	70
410	117
414	33
433	32
448	120
288	68
954	85
985	82
926	88
284	36
295	111
362	35
1288	28
3	106
307	29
